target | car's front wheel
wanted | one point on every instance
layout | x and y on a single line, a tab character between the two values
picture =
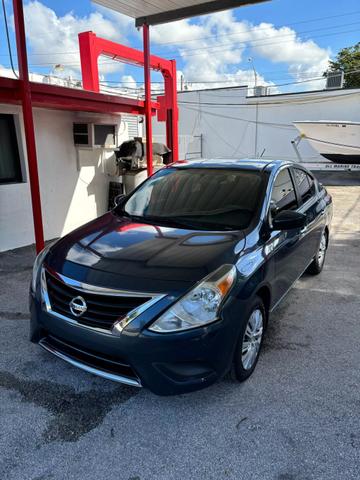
250	341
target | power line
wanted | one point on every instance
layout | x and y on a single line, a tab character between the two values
274	36
244	43
229	80
221	35
307	75
276	102
251	44
263	28
8	40
184	57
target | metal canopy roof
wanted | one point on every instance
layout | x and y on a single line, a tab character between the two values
153	12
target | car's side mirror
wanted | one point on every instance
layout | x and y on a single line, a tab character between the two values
288	219
119	199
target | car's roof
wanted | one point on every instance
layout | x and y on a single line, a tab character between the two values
243	163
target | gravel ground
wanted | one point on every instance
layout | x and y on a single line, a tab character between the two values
297	418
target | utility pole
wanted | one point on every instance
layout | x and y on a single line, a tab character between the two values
256	109
182	83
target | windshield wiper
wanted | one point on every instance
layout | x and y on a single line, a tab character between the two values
154	220
215	212
179	222
199	225
171	221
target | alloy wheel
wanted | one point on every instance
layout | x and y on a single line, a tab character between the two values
322	250
252	339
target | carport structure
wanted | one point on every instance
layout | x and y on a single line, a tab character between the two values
145	13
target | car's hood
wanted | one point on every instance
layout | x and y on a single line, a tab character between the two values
115	251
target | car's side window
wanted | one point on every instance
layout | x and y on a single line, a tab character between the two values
305	184
283	194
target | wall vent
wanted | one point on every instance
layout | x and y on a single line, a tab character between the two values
132	122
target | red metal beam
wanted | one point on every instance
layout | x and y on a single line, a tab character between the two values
75	99
91	47
28	123
147	83
63	98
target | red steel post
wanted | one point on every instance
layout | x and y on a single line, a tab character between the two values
147	81
172	120
89	54
28	123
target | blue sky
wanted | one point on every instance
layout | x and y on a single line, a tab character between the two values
288	41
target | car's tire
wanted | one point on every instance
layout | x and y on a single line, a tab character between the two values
317	264
250	341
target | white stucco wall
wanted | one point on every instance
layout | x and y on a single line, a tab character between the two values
70	195
228	127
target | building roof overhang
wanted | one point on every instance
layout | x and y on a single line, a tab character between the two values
63	98
154	12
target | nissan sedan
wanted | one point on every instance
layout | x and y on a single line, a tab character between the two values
174	287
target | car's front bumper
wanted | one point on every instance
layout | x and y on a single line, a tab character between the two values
165	363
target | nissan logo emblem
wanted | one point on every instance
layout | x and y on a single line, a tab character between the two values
78	306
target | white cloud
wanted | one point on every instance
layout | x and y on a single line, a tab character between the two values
7	72
213	48
220	41
128	81
305	59
204	64
54	39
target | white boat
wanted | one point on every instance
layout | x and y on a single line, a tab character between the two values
334	140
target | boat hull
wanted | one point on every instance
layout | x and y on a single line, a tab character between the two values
338	142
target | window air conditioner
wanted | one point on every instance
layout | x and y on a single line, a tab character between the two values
334	80
95	135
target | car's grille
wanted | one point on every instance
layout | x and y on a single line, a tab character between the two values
102	310
101	364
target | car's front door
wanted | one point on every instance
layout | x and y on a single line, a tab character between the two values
284	245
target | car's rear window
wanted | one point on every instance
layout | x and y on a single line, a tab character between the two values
200	197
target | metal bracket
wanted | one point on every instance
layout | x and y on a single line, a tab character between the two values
295	143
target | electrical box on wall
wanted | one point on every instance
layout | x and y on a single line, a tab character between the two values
95	135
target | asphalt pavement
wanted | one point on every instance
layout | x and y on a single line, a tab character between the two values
296	418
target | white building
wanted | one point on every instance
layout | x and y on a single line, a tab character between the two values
74	180
226	123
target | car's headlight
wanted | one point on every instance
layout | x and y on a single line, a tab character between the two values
37	264
200	306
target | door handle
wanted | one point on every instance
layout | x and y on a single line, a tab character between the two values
304	230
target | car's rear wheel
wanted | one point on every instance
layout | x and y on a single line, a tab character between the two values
250	341
317	264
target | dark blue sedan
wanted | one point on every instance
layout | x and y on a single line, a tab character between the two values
173	288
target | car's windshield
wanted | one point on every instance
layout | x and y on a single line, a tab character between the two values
201	198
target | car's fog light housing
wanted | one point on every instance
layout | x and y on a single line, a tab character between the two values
37	264
200	306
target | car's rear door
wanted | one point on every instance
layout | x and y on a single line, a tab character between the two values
313	207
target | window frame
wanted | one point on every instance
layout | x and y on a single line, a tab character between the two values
289	168
298	194
19	176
